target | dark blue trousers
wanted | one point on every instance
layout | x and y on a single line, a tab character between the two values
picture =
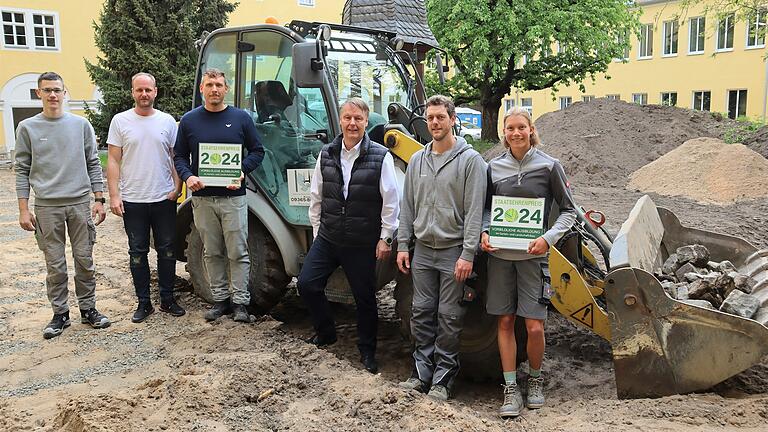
359	264
160	218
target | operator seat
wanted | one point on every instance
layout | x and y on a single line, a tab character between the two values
271	99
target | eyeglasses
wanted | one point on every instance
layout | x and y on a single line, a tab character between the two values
56	91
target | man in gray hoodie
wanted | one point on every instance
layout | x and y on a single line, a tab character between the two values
56	156
442	208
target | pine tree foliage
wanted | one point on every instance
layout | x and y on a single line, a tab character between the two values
155	36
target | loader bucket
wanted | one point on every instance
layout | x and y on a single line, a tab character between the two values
662	346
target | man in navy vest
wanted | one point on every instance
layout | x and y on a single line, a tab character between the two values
353	210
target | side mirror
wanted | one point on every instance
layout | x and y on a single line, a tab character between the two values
307	67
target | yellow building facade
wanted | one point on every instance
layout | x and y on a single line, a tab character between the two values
51	35
686	58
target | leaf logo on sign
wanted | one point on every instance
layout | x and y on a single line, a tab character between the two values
510	215
215	158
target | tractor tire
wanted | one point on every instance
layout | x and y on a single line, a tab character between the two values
267	278
479	352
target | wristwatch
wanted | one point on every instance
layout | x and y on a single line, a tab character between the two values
387	240
100	200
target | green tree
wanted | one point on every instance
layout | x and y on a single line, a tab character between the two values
530	45
149	36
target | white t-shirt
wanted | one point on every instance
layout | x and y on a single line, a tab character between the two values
147	165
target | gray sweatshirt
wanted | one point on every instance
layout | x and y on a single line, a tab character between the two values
538	175
58	158
442	203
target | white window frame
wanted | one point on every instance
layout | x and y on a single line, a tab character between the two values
668	94
728	98
701	28
645	31
29	29
693	100
613	96
587	98
727	19
642	96
527	106
755	21
675	24
508	104
565	102
626	53
306	3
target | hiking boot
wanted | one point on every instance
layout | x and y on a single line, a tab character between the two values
513	401
438	392
172	308
321	341
218	310
57	325
94	318
240	313
369	362
413	383
535	398
143	311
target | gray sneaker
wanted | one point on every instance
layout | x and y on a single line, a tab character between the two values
413	383
535	393
438	392
513	401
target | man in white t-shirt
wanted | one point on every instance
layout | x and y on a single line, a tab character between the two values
143	187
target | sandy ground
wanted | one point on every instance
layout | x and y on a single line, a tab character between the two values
183	374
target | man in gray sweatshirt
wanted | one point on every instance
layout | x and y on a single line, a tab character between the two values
56	156
442	208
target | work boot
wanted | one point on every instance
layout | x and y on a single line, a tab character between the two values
414	383
94	318
171	307
369	362
57	325
321	341
240	313
438	392
535	393
219	309
513	401
143	311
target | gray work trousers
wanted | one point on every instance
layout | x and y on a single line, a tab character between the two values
436	316
53	224
223	225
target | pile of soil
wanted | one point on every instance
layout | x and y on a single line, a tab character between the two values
602	142
706	170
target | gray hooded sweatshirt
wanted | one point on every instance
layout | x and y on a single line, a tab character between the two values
443	199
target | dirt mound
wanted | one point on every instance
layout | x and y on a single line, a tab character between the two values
706	170
601	142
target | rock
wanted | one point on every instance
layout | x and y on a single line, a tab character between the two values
696	254
712	265
726	267
685	268
691	277
724	284
698	289
668	288
762	316
741	304
680	292
743	282
670	265
700	303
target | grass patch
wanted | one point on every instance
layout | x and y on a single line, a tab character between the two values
741	131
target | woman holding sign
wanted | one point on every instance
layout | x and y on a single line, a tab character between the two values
523	184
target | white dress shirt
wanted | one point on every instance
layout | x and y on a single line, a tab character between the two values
390	207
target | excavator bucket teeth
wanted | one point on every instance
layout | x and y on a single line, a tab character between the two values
662	346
